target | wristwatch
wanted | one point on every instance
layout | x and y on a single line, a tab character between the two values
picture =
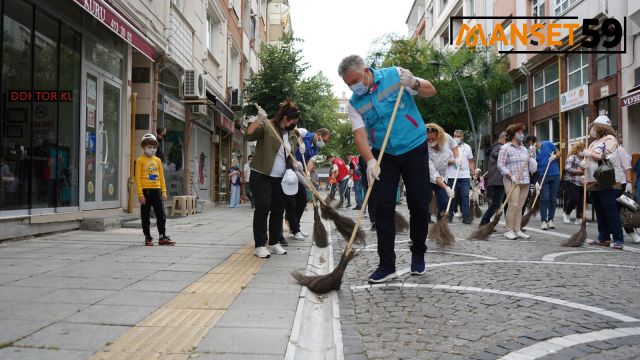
416	86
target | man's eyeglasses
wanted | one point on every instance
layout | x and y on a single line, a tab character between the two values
432	130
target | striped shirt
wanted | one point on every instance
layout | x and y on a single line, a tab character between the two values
574	173
512	160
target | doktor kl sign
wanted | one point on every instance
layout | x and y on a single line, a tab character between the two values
518	32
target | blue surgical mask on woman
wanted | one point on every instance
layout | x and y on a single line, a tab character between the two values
520	137
360	88
320	143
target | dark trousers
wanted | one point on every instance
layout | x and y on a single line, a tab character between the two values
247	193
549	197
153	199
295	208
342	189
442	198
497	197
270	202
462	197
413	166
607	215
574	199
371	204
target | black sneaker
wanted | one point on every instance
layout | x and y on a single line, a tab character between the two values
417	265
373	227
356	208
148	241
467	221
165	240
382	275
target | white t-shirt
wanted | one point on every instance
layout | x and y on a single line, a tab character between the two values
356	119
280	162
465	153
247	172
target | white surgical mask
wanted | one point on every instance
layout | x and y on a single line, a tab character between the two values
360	88
432	143
520	137
593	133
149	151
320	143
459	140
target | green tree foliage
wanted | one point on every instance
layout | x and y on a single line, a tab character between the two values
483	75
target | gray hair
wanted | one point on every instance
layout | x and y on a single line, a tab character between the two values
351	62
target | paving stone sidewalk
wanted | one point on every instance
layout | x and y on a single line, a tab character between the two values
69	295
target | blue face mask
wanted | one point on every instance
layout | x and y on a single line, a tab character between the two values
360	88
320	143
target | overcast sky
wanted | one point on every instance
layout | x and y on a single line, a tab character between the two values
333	29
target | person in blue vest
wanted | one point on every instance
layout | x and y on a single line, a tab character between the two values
296	204
374	95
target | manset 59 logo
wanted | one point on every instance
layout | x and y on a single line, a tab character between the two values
519	32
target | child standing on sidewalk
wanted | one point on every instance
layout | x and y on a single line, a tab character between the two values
151	190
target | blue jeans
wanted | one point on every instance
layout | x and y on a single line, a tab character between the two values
357	189
549	197
607	215
342	189
413	166
235	196
461	198
442	198
497	196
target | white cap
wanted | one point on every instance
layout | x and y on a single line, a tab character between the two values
290	182
602	119
148	137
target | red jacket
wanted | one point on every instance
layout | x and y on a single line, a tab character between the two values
343	171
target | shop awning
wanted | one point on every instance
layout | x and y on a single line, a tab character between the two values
118	24
630	99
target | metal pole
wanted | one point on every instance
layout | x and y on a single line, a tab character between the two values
464	97
132	151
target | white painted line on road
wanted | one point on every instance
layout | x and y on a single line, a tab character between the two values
557	344
438	252
537	262
574	305
552	257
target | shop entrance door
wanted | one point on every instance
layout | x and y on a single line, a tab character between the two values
102	163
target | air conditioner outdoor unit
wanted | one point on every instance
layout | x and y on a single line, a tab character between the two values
198	109
193	84
236	98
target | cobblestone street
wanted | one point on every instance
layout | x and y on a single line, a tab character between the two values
489	299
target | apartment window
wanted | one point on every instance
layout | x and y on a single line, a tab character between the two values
342	109
577	70
537	9
545	85
609	106
513	102
254	28
605	63
561	6
507	34
576	124
548	129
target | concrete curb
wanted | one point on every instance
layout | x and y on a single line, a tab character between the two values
316	331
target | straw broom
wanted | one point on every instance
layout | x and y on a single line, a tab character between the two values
475	208
578	239
534	209
344	225
321	284
484	231
440	231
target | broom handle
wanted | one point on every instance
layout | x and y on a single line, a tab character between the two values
347	250
584	190
455	180
541	183
513	187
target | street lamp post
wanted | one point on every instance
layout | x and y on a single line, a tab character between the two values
464	97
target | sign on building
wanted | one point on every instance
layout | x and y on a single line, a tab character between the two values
574	98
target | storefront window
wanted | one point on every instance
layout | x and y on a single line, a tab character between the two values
608	106
39	140
15	136
576	124
548	130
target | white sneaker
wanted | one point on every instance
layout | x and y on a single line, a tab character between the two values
522	235
578	222
510	235
551	225
262	252
566	219
277	249
305	234
299	236
635	237
544	225
458	214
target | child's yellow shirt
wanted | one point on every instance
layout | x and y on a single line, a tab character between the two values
149	174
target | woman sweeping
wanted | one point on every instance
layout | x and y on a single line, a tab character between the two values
515	163
574	181
439	155
603	194
267	171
